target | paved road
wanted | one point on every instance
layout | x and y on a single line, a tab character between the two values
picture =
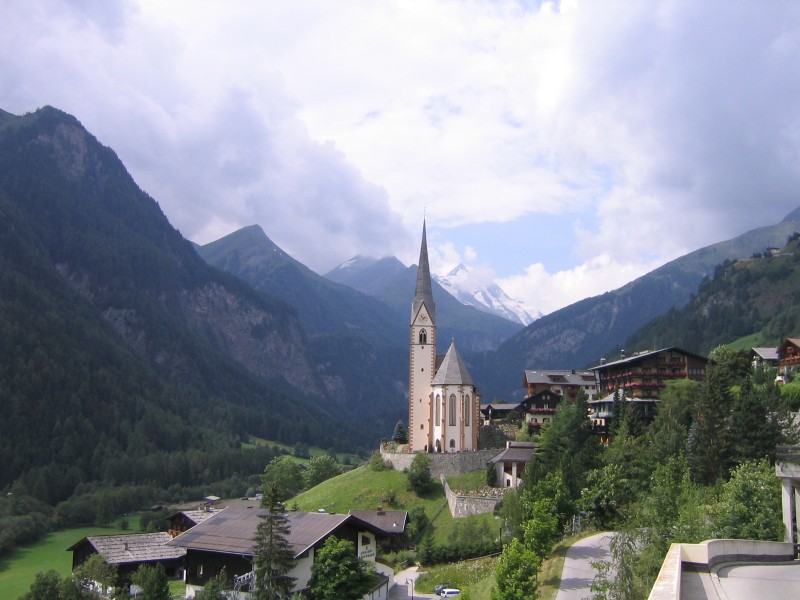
578	573
403	588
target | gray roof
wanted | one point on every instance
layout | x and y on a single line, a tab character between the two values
555	376
389	521
767	353
514	454
424	291
452	371
640	356
133	547
501	406
232	531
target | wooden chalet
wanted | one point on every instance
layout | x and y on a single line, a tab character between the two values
788	359
568	383
391	523
540	408
225	541
638	379
127	552
186	519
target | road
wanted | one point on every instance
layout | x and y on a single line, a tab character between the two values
403	588
578	573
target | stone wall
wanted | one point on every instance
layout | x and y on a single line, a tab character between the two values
453	463
464	506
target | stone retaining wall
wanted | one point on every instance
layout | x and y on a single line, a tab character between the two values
452	463
464	506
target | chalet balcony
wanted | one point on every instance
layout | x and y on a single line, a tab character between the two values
790	360
542	411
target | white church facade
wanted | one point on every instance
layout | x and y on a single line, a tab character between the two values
443	410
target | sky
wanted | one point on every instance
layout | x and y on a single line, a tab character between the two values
561	149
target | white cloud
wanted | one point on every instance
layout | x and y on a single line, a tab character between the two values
666	125
548	292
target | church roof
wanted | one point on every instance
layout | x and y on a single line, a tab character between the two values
452	371
424	291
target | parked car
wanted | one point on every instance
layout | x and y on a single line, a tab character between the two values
438	589
449	593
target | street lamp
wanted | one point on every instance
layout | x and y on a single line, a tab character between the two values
411	583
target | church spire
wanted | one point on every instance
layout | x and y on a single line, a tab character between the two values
424	292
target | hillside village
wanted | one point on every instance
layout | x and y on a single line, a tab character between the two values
179	381
576	444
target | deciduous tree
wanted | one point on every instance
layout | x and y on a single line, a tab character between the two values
283	473
338	574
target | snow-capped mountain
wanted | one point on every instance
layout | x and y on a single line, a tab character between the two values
463	285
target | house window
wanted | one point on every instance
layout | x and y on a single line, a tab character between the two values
200	570
545	420
452	409
365	541
438	410
452	444
423	337
467	410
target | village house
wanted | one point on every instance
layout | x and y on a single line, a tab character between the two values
788	359
569	382
225	541
638	380
127	552
509	465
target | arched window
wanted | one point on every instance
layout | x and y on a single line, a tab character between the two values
438	410
453	445
452	409
423	336
467	410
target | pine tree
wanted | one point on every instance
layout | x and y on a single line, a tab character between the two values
273	554
400	435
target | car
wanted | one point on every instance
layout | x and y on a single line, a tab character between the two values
438	589
449	593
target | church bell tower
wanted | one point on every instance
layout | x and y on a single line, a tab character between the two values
422	360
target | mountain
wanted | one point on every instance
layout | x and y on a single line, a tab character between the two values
357	343
388	280
578	335
324	307
492	299
121	346
754	298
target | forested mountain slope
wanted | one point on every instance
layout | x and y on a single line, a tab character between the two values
757	297
118	341
357	343
578	335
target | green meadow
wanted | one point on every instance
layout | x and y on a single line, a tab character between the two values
18	570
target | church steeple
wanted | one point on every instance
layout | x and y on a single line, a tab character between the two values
424	292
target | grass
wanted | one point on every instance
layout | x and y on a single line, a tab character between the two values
18	569
363	488
475	575
467	482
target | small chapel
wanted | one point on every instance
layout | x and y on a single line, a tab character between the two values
443	402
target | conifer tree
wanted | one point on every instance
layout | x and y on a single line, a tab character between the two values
273	554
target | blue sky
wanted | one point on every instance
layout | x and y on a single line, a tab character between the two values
559	148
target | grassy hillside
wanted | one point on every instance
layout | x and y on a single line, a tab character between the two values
364	489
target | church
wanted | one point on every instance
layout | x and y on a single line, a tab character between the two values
443	401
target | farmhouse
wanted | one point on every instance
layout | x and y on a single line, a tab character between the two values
225	541
127	552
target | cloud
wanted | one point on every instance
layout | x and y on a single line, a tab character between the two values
547	292
664	126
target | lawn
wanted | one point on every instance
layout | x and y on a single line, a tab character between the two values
364	488
476	575
18	570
